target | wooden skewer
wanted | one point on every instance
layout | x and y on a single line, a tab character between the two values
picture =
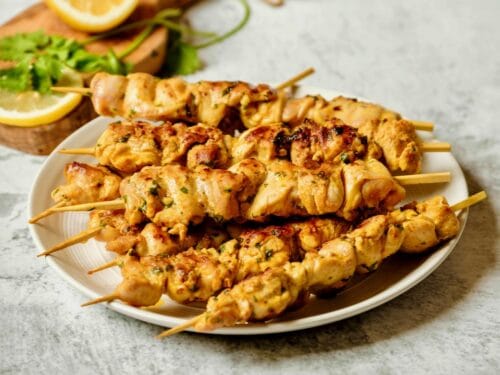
78	151
422	125
45	213
181	327
106	298
116	204
80	237
292	81
104	266
435	147
424	178
473	199
75	90
88	91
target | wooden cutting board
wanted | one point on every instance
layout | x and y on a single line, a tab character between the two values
148	58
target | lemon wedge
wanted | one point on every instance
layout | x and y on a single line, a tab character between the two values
93	15
30	108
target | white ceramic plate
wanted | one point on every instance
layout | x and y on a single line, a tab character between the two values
396	275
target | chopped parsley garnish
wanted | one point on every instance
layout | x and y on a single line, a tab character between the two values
345	158
268	253
168	202
153	189
156	270
124	138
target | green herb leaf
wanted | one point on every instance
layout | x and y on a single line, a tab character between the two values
182	58
17	78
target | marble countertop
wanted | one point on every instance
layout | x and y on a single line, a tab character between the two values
433	60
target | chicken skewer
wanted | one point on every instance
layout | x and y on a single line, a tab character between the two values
128	147
174	197
414	229
196	275
140	95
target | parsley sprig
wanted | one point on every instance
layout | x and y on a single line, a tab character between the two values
41	58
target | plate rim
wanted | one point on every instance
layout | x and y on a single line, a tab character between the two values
401	286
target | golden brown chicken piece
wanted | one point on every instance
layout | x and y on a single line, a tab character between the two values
193	145
151	240
86	183
128	147
174	196
398	141
113	224
196	275
258	298
308	145
351	111
265	296
275	245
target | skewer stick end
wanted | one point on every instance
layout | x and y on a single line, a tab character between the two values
436	147
424	178
103	267
80	237
116	204
180	328
75	90
423	125
45	213
77	151
106	298
472	200
292	81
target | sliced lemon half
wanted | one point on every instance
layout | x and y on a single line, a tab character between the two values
93	15
30	108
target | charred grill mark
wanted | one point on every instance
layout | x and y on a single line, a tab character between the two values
282	142
302	134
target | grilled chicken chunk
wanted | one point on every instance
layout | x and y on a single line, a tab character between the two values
86	183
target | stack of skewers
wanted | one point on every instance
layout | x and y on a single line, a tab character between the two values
245	198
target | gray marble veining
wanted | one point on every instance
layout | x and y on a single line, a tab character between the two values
436	60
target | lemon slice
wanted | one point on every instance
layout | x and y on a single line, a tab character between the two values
30	108
93	15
